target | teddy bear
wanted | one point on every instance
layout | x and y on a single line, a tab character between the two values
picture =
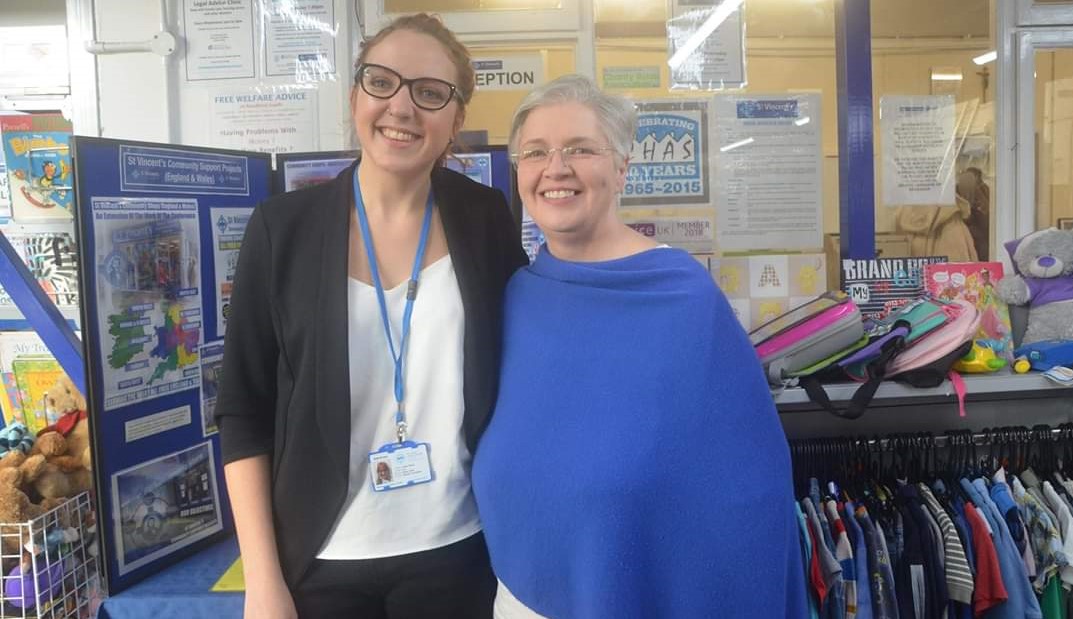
16	469
65	444
1042	278
53	481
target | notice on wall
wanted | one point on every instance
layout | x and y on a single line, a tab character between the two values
627	78
670	154
690	229
511	72
769	171
918	149
706	40
269	122
760	288
228	228
148	253
219	39
300	38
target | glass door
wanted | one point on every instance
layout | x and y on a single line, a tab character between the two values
1044	88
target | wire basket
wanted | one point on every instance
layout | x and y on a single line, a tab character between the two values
49	565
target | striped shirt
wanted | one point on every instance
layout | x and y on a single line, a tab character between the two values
959	582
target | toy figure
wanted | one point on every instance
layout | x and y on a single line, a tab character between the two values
1042	280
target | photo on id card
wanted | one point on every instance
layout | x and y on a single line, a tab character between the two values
398	465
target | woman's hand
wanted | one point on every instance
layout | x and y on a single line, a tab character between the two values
268	600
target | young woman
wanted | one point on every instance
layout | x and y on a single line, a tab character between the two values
365	330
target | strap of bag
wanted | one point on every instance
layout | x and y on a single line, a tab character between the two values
862	397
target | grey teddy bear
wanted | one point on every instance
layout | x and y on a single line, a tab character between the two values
1043	280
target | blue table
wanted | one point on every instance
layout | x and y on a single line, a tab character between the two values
182	590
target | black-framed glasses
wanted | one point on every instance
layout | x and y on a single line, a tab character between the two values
427	93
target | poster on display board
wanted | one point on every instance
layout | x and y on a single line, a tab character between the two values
165	505
298	170
218	39
147	225
919	149
228	228
706	40
768	156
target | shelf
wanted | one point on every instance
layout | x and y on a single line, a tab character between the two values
981	387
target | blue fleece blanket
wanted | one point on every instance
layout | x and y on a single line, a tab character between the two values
635	465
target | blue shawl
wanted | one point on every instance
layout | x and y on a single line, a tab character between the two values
635	465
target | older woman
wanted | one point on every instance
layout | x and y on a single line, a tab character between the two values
635	465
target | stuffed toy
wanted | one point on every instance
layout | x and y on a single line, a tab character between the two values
72	455
15	436
1042	279
15	506
52	482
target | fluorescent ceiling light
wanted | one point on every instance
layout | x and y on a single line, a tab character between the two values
983	59
946	77
801	122
737	144
718	16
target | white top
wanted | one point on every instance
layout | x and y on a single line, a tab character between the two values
426	516
509	607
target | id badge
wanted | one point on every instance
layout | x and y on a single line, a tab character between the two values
398	465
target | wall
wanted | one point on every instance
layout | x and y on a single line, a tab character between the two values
15	13
146	97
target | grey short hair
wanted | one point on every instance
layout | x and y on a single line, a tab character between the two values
617	115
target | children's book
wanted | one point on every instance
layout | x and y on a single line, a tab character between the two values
881	285
34	376
38	159
52	258
975	282
13	345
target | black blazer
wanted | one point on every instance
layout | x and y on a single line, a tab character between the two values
285	390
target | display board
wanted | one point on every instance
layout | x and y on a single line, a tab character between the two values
488	165
158	225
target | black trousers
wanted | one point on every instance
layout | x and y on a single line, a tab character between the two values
452	582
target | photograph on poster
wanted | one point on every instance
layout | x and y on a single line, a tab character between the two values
669	156
148	256
212	367
164	505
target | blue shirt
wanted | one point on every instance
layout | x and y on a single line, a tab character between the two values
1022	602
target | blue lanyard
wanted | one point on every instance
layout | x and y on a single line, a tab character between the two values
411	295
